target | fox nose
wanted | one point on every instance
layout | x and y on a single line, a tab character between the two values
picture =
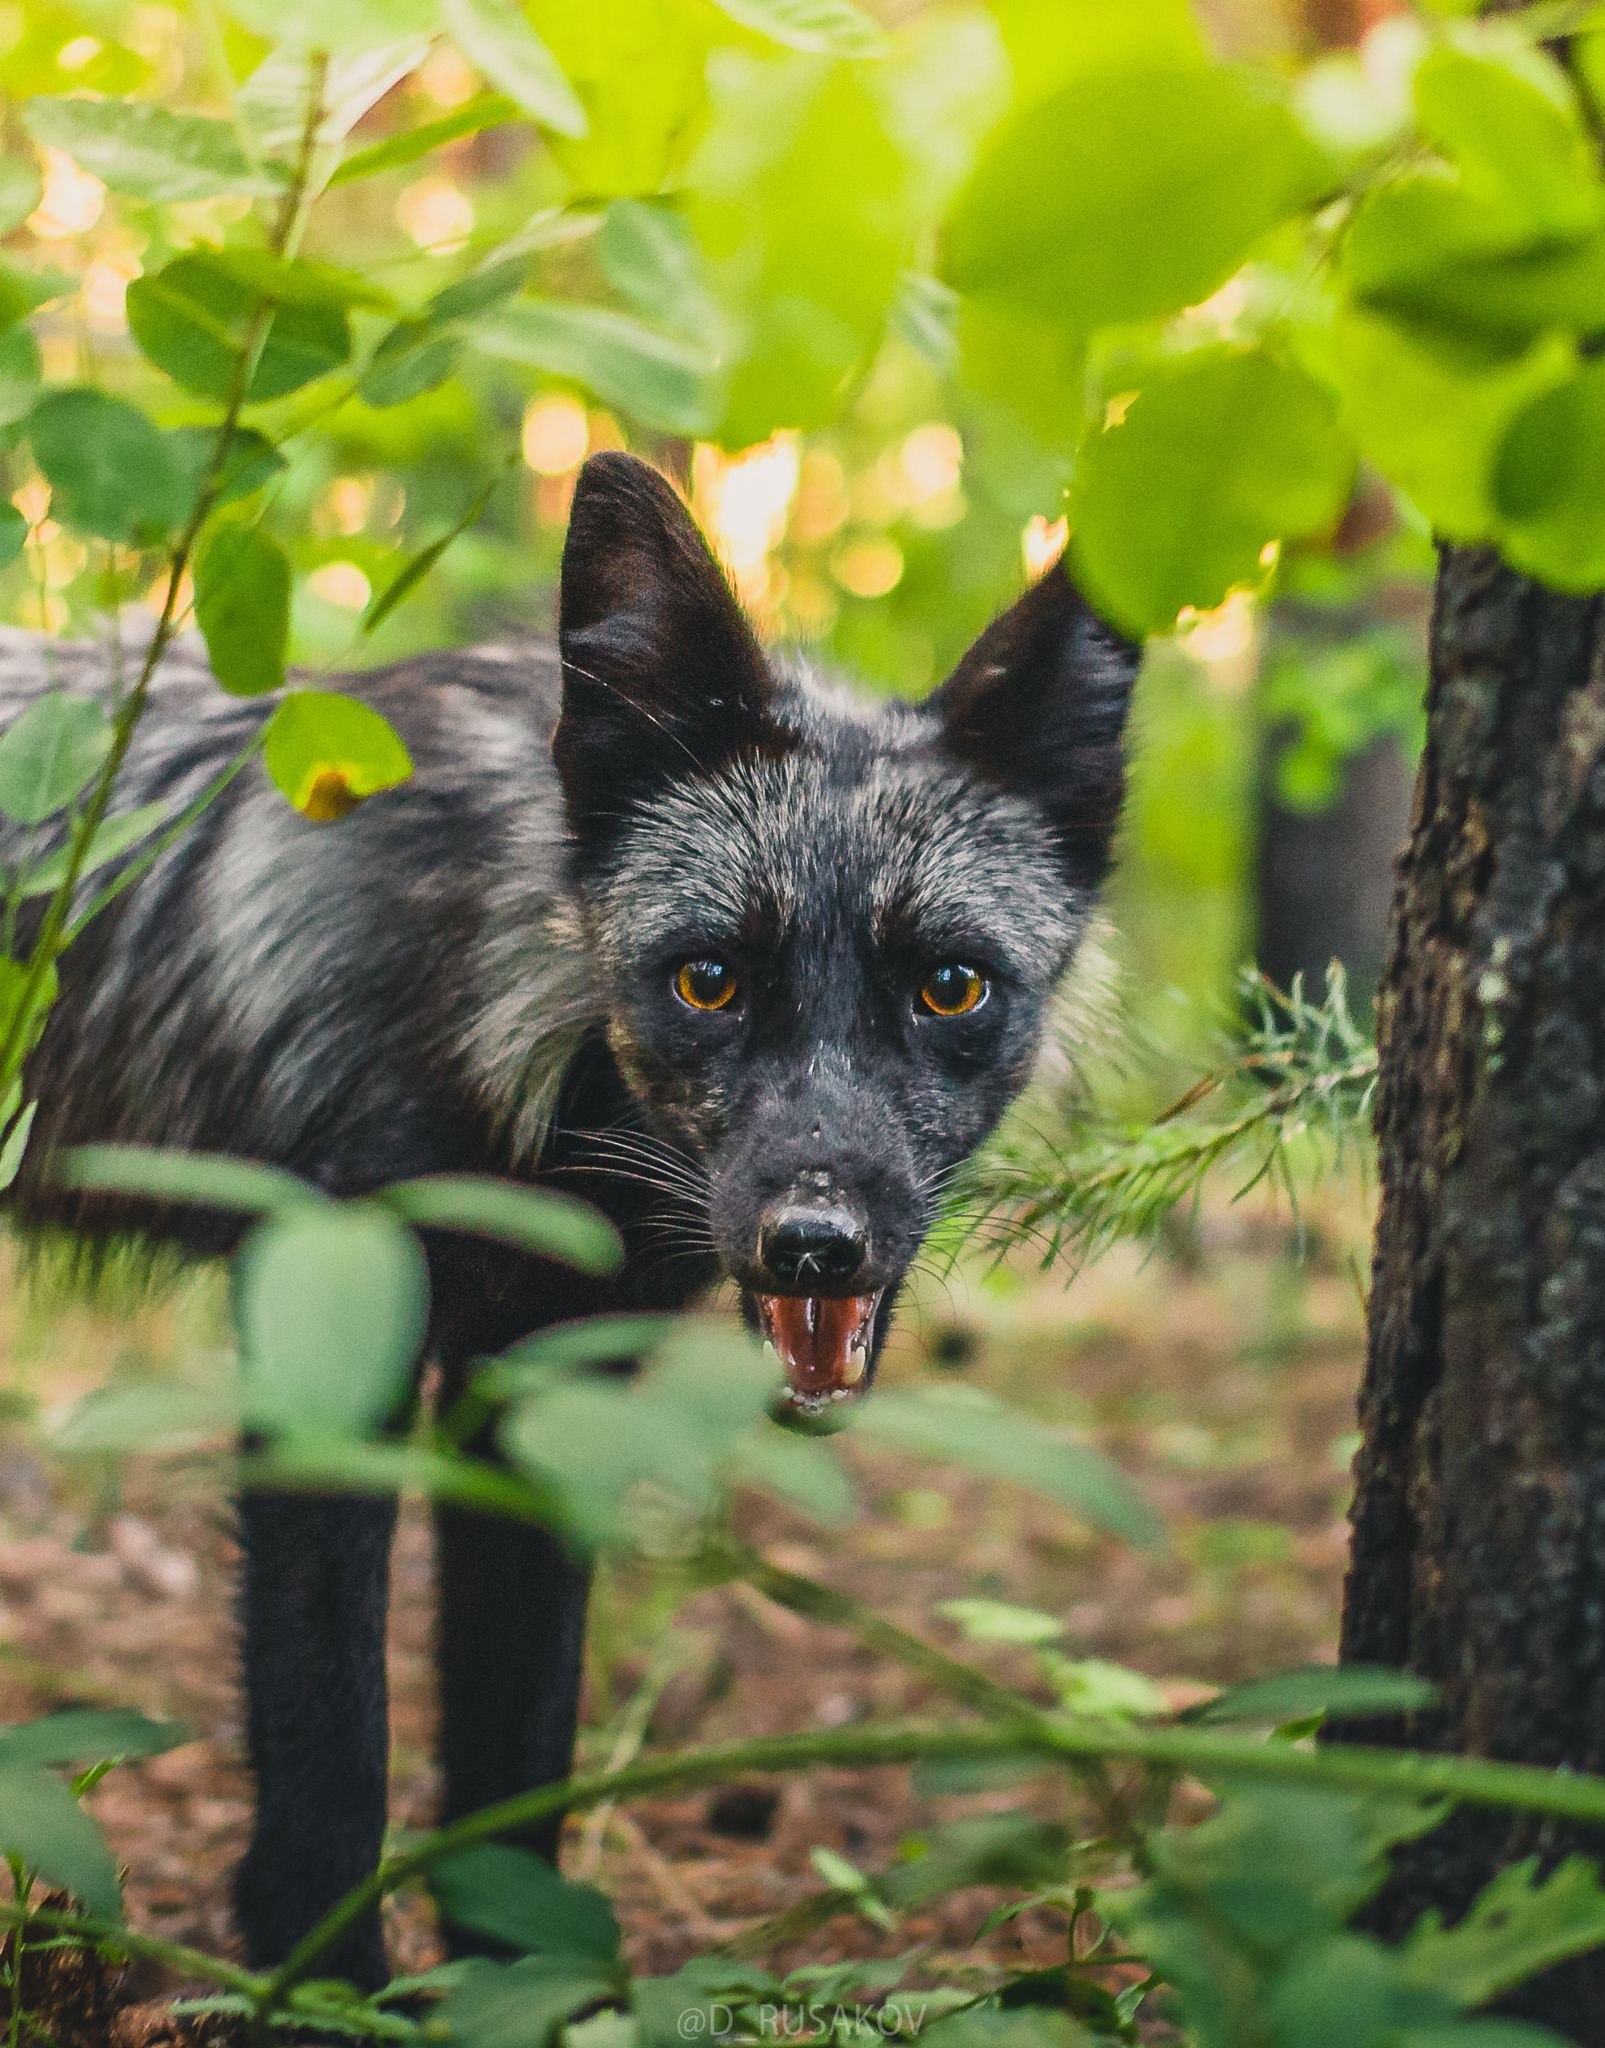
807	1248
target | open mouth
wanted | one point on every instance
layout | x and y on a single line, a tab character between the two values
822	1343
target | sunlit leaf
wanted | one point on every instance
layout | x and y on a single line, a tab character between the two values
1223	452
20	190
650	257
46	1829
19	374
497	36
195	316
1509	118
327	752
332	1304
1549	484
658	379
994	1621
356	25
832	27
50	754
13	534
110	472
146	150
639	70
485	110
242	606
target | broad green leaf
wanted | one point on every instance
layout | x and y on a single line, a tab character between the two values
273	101
657	379
1432	422
24	291
517	1897
1549	484
242	606
45	1828
354	26
808	206
594	1340
148	1415
1338	1692
1517	1925
1223	452
1508	118
414	357
19	374
146	150
13	533
205	1178
1052	41
250	462
1422	250
485	110
333	1303
832	28
297	282
327	752
113	837
25	1004
994	1621
110	472
553	1226
84	1735
1022	402
639	70
804	1472
497	36
194	317
649	256
19	191
1130	194
50	754
1347	1991
963	1427
522	2004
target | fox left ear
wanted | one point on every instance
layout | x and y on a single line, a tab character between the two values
662	677
1038	705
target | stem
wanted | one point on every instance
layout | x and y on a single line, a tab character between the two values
146	1948
51	937
1520	1788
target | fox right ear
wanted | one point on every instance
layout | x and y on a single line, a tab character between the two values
1038	706
662	676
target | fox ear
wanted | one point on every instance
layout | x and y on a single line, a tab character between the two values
1038	705
662	677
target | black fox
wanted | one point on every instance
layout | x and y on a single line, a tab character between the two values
654	910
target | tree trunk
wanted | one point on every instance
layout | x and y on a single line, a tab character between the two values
1479	1520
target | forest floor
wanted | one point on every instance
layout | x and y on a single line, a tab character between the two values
1223	1383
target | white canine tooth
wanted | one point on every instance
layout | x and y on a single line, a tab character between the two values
857	1364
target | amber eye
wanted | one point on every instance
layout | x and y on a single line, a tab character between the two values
953	990
705	985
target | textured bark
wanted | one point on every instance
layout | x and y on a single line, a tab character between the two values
1479	1521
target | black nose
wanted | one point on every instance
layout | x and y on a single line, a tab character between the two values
809	1248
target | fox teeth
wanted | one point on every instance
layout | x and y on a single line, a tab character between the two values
857	1364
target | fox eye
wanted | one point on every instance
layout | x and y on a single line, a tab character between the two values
954	990
705	985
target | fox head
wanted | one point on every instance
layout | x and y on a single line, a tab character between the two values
827	931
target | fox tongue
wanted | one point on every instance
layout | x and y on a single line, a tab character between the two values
821	1341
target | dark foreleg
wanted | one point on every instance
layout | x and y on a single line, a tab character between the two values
316	1587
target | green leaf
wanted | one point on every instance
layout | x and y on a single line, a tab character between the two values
485	110
358	26
832	28
83	1735
804	1472
649	256
20	189
639	68
1221	453
326	753
1131	194
251	461
1547	484
517	1897
497	37
19	374
522	2004
534	1220
13	533
45	1827
963	1427
658	379
1337	1692
1516	1926
207	1179
148	1415
50	754
113	837
147	151
1509	119
994	1621
110	472
1348	1992
333	1304
242	606
1012	1850
15	1147
414	357
193	317
24	291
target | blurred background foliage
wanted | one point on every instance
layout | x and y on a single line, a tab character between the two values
736	269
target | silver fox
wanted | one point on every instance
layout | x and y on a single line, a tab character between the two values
749	962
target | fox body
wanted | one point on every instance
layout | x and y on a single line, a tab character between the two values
750	964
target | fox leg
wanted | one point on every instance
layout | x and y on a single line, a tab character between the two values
315	1591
